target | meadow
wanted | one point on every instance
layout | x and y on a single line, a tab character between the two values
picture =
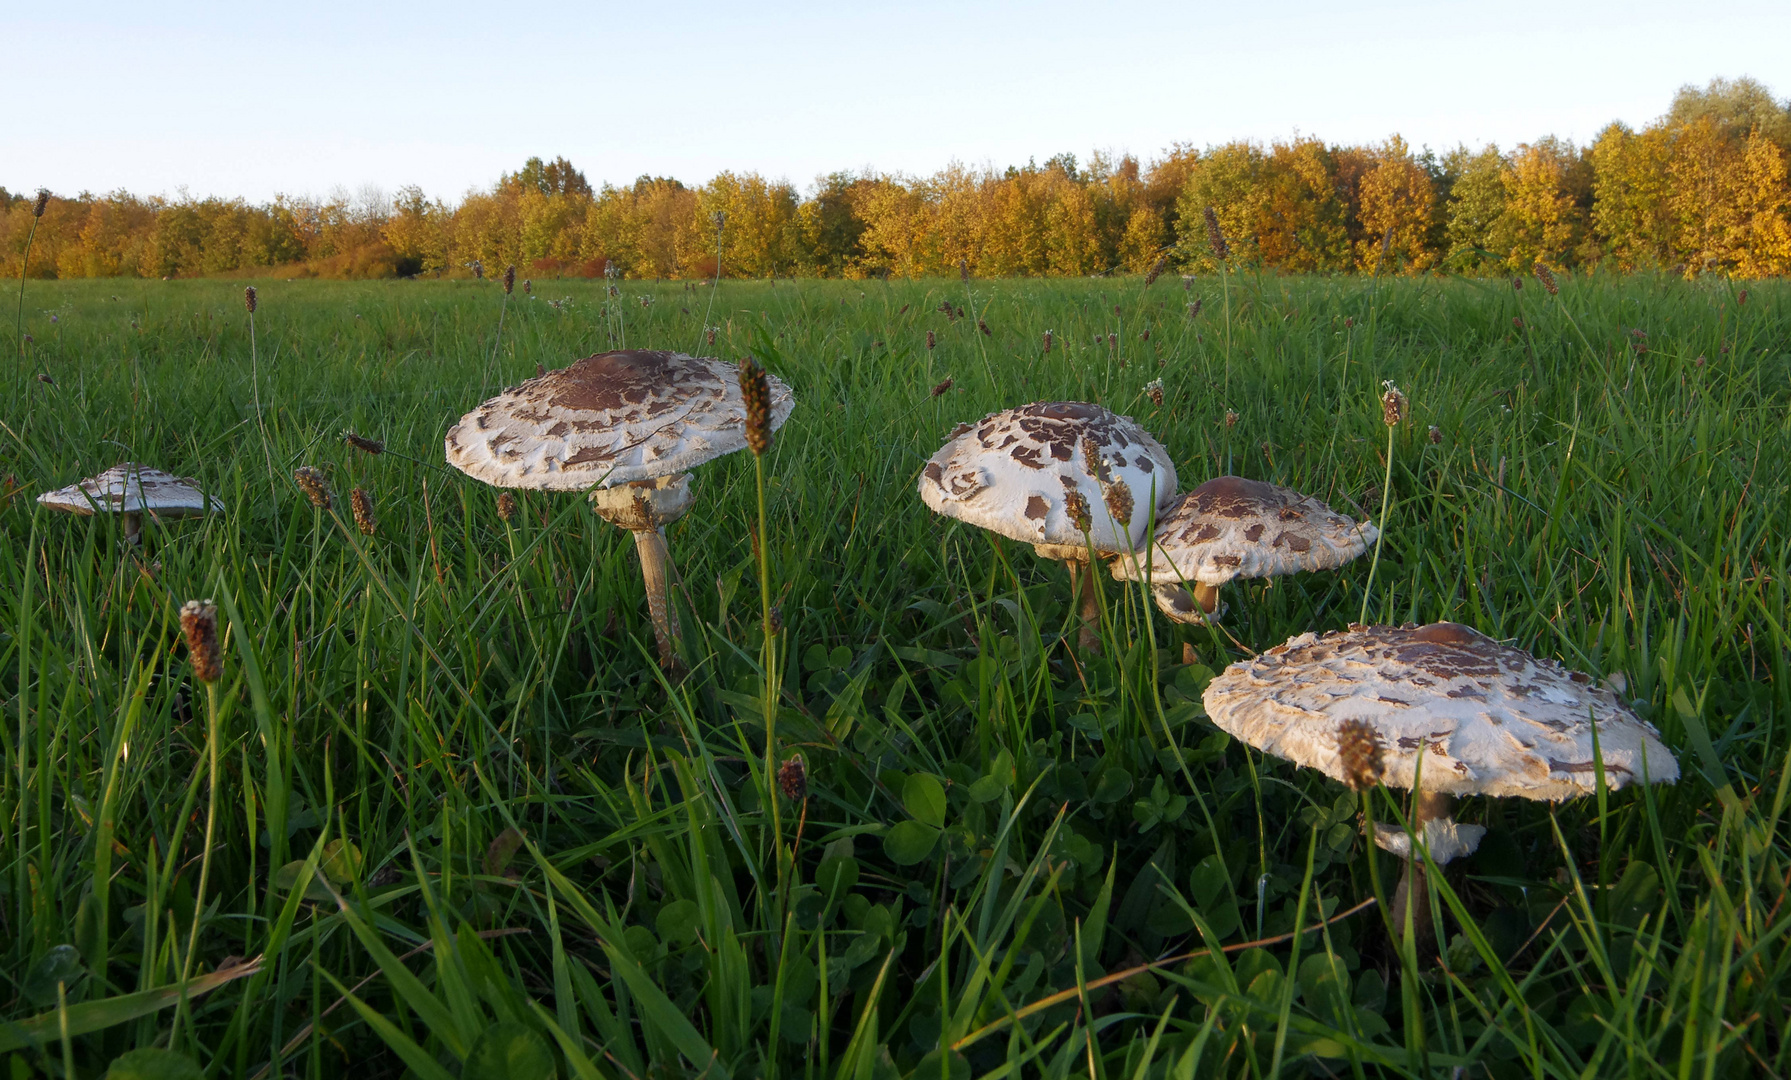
465	827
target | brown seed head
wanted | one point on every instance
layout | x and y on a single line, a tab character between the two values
984	327
930	341
1156	270
1741	297
1076	506
509	280
315	486
199	622
963	270
1154	390
1119	501
364	445
249	299
478	270
942	387
1436	435
1516	323
1231	419
506	506
757	392
1091	459
777	618
1194	308
1517	283
1047	342
1113	341
42	203
1214	238
1359	747
362	504
528	285
1393	405
792	778
711	334
1546	276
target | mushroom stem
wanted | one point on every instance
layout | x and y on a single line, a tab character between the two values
1207	596
1089	637
1413	891
656	563
133	527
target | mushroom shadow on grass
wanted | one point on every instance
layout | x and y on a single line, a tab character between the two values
1481	717
1066	477
130	491
1229	528
624	426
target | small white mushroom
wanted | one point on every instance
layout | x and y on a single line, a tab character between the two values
131	490
625	426
1063	476
1230	527
1456	712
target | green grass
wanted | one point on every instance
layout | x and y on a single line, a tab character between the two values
465	828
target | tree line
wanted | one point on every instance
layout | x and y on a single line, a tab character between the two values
1703	189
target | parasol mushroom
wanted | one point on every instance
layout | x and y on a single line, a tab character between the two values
1230	527
1065	477
131	490
1454	710
625	426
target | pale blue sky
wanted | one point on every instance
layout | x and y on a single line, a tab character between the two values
256	98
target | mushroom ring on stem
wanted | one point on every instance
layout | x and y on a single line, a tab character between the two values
1230	527
625	426
1453	710
132	490
1067	477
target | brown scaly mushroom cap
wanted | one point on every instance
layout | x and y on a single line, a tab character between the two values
1026	473
611	419
1230	527
134	489
1489	719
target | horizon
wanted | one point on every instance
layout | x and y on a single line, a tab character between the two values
356	99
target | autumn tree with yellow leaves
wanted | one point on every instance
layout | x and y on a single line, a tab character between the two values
1703	189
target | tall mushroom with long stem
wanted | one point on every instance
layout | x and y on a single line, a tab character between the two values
1457	714
1067	477
1229	528
625	426
130	491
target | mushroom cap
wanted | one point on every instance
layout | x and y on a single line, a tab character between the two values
1025	473
1488	718
134	489
1446	838
609	419
1230	527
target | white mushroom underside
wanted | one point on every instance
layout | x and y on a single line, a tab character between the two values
1025	473
1446	838
1484	718
610	419
1234	528
133	489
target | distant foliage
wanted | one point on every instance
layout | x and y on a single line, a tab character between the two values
1702	190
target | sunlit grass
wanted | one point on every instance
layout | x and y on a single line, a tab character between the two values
463	819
